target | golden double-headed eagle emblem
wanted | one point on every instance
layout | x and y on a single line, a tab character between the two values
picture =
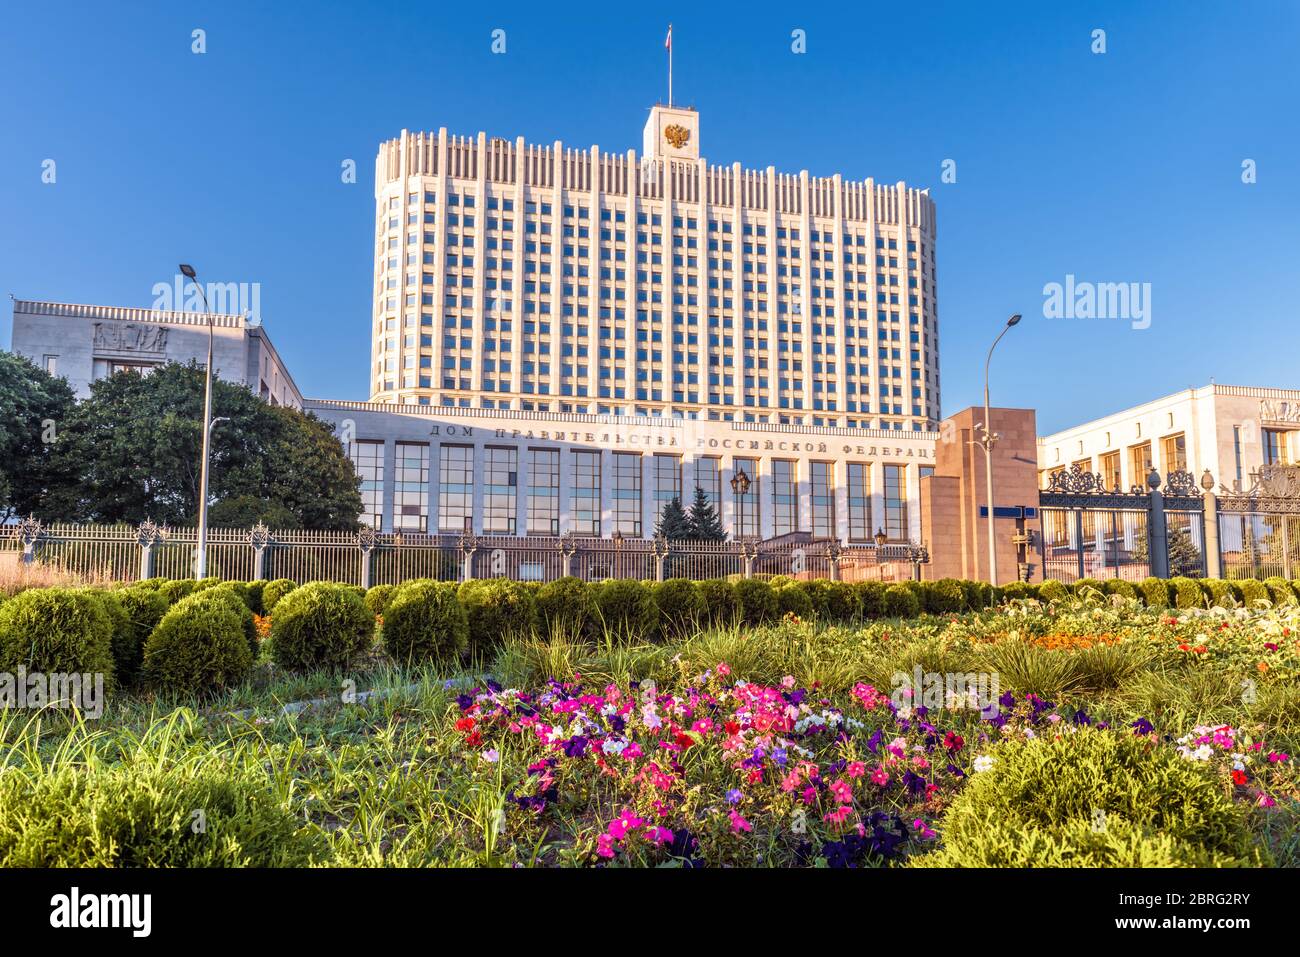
676	136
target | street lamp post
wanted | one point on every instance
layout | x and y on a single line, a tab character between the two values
739	489
201	555
880	538
988	440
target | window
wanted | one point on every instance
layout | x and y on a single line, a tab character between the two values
1110	471
822	481
52	365
785	497
368	459
1139	460
411	488
668	481
1236	452
455	487
708	476
500	483
748	510
896	504
544	492
627	493
860	529
1276	447
1173	449
586	493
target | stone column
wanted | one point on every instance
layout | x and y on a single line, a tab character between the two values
260	538
1157	529
148	535
366	541
1213	552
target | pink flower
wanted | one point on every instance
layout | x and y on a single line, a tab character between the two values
880	776
658	835
1276	757
842	791
1265	801
839	815
724	669
605	846
738	823
809	795
787	681
856	769
926	834
621	825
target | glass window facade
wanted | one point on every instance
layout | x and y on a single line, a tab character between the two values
544	492
627	494
411	488
455	487
748	511
860	529
708	476
667	481
368	459
586	493
896	526
1276	450
500	484
821	479
1139	459
1173	449
1110	470
785	496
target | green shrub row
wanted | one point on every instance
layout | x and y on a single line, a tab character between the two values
1168	592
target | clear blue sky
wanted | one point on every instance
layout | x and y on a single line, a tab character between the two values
1120	167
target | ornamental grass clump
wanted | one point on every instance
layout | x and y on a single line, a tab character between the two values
1092	798
426	622
320	625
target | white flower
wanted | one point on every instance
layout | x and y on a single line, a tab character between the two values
984	762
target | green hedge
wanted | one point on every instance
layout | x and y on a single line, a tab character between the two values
199	647
57	630
426	622
320	625
497	608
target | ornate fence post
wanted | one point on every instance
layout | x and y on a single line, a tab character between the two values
260	537
833	552
568	547
30	532
366	541
1213	555
1157	529
660	548
468	546
148	535
748	551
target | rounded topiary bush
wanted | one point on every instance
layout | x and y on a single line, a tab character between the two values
377	599
757	600
901	602
1015	591
57	630
566	605
1279	591
718	599
144	608
1218	593
274	590
818	591
1084	585
199	647
625	609
320	625
174	589
944	597
241	591
1049	801
871	596
140	813
843	602
223	596
794	600
1118	586
1053	590
1186	593
425	622
255	597
497	608
681	609
976	595
1252	591
1154	592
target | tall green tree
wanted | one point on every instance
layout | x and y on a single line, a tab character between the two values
34	411
704	521
134	447
673	523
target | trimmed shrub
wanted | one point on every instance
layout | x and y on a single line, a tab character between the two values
871	595
843	602
818	591
240	591
320	625
1252	591
274	590
901	602
757	600
1186	593
1083	584
57	630
681	609
1053	590
1038	803
137	814
626	610
794	600
1218	593
174	589
425	621
976	595
255	597
567	604
1279	591
144	608
377	599
1118	586
718	598
497	608
237	605
1015	591
944	597
1154	592
199	647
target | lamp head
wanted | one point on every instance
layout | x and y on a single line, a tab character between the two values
881	538
1013	320
188	271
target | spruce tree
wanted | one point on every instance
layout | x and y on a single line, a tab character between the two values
673	523
705	523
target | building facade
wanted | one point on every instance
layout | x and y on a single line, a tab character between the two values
86	343
1229	430
511	276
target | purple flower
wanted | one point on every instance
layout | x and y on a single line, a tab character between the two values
1142	726
734	796
575	746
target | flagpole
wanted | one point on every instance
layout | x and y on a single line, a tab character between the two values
670	64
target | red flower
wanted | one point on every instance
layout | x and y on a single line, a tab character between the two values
465	724
1239	777
1184	647
474	739
684	740
953	741
731	727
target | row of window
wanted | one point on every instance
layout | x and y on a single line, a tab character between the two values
501	490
